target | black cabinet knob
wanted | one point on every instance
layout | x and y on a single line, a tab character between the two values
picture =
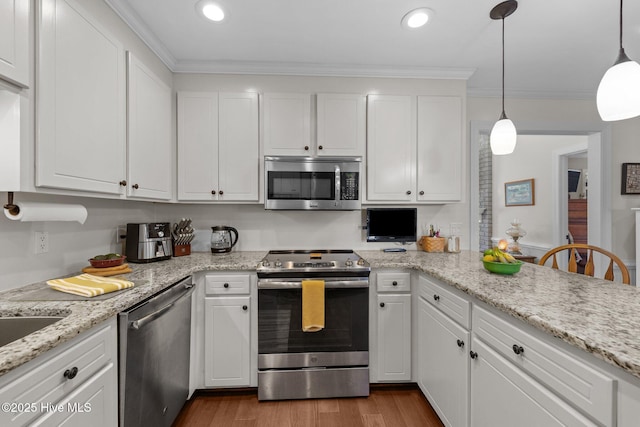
422	193
135	186
123	183
460	343
306	148
408	192
221	192
226	285
473	354
436	297
213	192
71	373
394	283
245	308
320	147
517	349
381	304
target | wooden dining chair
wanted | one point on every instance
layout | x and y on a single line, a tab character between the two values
574	256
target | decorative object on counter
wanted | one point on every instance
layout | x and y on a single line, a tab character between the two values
589	269
516	232
618	96
106	261
497	261
223	238
183	235
503	135
630	178
519	193
88	285
34	211
432	242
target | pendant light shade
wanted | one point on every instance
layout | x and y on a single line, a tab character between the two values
618	96
503	135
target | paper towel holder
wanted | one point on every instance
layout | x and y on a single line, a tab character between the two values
13	209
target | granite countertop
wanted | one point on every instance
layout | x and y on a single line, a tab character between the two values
597	316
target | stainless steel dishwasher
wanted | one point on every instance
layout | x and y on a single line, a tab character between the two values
154	339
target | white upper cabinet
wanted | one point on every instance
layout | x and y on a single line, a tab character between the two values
149	133
287	124
391	148
341	124
80	137
14	41
440	156
218	146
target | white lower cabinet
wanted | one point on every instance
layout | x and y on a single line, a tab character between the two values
503	395
74	384
443	372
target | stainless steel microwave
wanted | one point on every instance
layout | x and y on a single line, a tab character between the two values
306	183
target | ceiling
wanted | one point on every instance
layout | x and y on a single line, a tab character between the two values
553	48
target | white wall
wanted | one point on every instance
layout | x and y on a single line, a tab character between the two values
531	159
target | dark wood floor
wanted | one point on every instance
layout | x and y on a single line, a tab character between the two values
385	407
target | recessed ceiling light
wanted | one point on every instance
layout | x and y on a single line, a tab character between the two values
210	10
417	18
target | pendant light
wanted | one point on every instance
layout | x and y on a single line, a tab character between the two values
503	135
618	96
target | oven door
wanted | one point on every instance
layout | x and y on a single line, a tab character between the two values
344	341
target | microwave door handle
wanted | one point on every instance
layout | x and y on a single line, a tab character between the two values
337	180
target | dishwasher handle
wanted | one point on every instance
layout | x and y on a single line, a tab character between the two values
137	324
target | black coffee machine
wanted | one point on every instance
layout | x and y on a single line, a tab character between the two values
148	242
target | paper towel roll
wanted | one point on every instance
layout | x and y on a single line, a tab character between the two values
32	211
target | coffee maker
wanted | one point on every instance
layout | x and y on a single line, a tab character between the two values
148	242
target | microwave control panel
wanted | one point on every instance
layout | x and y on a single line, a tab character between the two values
349	185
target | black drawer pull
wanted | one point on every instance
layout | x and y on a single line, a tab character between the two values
460	343
70	373
394	283
436	297
226	285
381	304
245	308
473	354
517	349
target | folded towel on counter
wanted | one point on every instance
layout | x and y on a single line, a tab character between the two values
108	271
312	305
88	285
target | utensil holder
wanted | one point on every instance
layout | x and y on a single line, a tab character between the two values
432	244
181	250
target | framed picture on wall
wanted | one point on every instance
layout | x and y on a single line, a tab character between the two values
630	178
519	193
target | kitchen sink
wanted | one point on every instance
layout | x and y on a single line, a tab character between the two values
14	328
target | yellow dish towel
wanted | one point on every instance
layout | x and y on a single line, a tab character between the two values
312	305
88	285
108	271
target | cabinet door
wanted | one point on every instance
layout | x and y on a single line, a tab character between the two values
440	154
149	139
80	140
287	124
197	146
503	395
14	41
394	337
239	150
341	124
227	341
94	403
443	364
391	148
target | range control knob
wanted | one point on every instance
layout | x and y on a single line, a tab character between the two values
160	233
266	263
348	262
361	261
278	263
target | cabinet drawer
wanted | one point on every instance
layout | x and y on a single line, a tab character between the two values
42	381
393	282
572	379
454	306
228	284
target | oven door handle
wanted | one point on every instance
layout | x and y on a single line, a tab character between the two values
297	284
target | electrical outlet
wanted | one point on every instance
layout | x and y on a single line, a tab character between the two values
121	231
42	242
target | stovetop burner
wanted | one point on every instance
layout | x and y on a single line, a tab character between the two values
296	263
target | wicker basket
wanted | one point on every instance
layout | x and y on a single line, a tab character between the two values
432	244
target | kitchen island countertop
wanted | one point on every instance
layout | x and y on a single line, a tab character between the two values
597	316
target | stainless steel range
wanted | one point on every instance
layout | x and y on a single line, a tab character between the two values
332	362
